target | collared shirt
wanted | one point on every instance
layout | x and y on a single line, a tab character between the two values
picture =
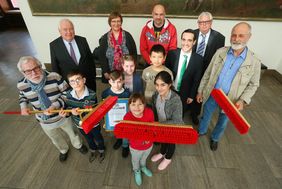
229	70
200	38
75	48
160	105
180	63
85	93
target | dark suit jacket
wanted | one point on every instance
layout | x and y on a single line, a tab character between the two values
216	41
62	63
192	75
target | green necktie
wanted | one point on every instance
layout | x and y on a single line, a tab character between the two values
183	68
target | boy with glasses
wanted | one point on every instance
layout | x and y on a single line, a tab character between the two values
78	98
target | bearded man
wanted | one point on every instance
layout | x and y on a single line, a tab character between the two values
235	70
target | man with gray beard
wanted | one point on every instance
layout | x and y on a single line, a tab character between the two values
235	70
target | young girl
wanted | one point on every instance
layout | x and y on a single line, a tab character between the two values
132	80
139	150
167	107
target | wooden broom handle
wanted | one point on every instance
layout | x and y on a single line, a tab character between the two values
154	124
57	111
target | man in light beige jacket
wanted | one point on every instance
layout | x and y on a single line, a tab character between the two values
235	70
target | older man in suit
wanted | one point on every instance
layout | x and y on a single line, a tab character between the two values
208	41
186	67
72	52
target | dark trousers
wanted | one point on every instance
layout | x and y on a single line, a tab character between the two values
196	108
167	150
93	137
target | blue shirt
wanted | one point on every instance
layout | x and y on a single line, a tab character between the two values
229	70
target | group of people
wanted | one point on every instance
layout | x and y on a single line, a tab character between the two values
174	81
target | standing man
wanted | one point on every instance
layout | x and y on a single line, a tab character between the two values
157	31
186	67
208	41
71	52
43	91
235	70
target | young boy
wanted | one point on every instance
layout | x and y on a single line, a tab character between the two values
77	98
157	57
116	80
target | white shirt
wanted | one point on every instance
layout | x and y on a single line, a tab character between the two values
85	93
75	48
200	38
180	63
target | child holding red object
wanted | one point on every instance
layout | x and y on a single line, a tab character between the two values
139	150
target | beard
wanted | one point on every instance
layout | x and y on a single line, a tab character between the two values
238	46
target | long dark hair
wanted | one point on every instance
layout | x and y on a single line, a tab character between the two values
165	77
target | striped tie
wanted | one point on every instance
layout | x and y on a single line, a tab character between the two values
201	47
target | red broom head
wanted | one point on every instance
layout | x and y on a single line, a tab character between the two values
94	117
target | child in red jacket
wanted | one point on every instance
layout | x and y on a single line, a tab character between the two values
139	150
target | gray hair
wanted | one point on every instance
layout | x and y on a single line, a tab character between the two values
244	23
25	59
208	14
64	20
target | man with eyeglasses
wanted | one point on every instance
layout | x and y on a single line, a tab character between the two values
43	91
235	70
71	52
159	30
208	41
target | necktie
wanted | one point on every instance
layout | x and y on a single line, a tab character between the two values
201	47
183	68
72	54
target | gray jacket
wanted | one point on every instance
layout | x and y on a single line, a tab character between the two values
173	108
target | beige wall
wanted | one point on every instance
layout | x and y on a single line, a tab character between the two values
266	40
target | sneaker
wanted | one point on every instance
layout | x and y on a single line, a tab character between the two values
117	144
147	171
101	157
164	164
83	149
92	156
156	157
138	178
63	157
125	152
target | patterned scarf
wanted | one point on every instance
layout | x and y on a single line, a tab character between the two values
116	49
44	101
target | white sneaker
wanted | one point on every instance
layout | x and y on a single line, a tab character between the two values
156	157
164	164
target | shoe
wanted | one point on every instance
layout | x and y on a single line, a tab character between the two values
138	178
201	134
117	144
213	145
125	152
63	157
147	171
195	120
92	156
164	164
101	157
156	157
83	149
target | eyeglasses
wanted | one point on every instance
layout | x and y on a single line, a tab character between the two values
204	22
239	35
35	69
75	81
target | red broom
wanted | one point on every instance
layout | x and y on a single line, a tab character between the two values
94	117
156	132
231	111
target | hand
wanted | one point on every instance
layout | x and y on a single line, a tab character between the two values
189	100
199	97
75	111
48	111
63	113
240	105
25	111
